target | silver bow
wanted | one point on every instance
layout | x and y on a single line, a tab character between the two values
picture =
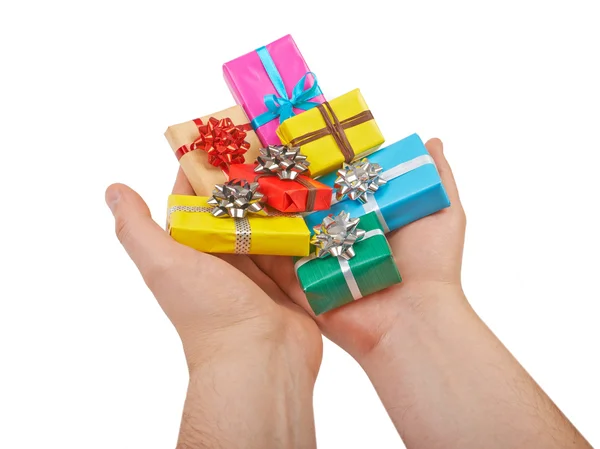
285	161
357	180
236	198
336	235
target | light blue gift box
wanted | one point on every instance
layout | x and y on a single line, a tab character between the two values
413	191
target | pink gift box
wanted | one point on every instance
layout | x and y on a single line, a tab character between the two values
249	82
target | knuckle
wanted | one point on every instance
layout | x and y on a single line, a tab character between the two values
122	229
158	270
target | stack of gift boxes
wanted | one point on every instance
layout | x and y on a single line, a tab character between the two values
288	173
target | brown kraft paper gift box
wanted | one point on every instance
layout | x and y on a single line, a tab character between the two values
201	174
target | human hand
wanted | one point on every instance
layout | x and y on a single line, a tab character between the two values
428	254
247	344
444	378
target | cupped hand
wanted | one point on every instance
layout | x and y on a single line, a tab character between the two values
224	304
429	256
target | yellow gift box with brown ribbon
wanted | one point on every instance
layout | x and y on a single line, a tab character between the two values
333	133
191	223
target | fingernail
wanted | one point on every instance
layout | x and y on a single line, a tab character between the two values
113	195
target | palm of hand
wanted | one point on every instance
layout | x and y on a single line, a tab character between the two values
203	294
428	254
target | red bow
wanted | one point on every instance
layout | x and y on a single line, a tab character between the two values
223	141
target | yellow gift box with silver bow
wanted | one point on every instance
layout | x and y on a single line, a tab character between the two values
190	222
342	129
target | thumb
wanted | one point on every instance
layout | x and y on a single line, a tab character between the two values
435	147
148	245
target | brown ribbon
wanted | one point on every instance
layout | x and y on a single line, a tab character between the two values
312	190
336	129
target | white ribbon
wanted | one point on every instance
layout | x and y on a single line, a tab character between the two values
350	279
395	172
344	266
372	206
408	166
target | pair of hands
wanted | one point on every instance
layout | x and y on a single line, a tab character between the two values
254	347
231	301
239	316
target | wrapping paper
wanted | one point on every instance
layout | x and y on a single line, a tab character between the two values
373	269
202	175
324	154
285	196
402	200
249	82
272	235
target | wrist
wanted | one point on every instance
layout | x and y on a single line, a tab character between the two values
411	360
244	345
415	311
259	395
267	371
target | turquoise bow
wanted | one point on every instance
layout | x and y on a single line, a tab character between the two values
281	105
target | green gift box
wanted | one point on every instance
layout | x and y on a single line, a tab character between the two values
332	282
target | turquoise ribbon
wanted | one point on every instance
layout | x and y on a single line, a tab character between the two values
281	105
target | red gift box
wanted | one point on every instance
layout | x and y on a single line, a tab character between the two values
286	195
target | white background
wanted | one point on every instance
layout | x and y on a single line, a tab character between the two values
87	359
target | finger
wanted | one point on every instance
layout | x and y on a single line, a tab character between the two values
435	147
149	246
182	185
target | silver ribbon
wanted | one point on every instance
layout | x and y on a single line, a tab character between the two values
188	209
358	180
344	266
395	172
284	161
236	199
243	236
335	236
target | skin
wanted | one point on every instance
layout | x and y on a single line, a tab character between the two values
444	378
253	355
